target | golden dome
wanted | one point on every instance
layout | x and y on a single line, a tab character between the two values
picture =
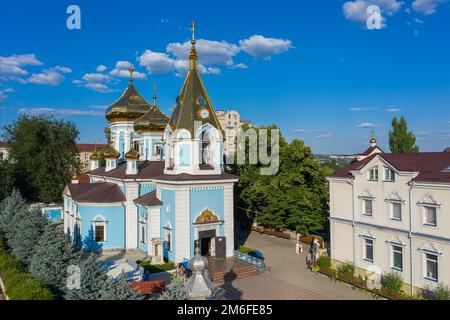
152	121
130	106
373	141
132	155
95	156
111	153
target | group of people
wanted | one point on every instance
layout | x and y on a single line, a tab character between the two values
314	250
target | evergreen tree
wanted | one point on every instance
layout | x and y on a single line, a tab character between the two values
400	139
174	291
92	281
119	289
53	254
28	229
8	208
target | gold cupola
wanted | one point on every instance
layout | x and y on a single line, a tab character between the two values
132	155
111	153
130	106
153	121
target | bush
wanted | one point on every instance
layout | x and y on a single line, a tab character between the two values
441	292
29	289
347	268
157	267
392	281
324	262
245	250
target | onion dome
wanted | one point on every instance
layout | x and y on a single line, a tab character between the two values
198	263
95	156
373	141
111	153
130	106
132	155
153	121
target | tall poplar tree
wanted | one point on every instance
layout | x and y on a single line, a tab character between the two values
400	139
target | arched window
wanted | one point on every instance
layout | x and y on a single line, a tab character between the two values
143	234
206	148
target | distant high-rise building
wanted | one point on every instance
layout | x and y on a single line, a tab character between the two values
231	122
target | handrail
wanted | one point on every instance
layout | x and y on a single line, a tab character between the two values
259	263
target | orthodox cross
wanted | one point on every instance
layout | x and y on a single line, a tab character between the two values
131	69
193	30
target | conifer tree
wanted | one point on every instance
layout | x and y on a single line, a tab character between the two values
119	289
54	253
174	291
400	139
28	229
91	283
8	208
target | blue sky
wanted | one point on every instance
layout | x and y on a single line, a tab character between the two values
311	67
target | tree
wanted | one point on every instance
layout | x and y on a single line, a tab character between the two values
7	180
53	254
92	280
294	198
8	209
400	139
174	291
44	156
28	229
119	289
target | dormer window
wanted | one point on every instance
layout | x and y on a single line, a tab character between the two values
389	175
373	174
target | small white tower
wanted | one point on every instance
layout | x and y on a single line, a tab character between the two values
111	156
94	160
131	157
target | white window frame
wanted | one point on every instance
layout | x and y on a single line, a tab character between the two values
373	174
425	223
363	211
389	175
392	204
365	258
168	233
103	224
393	251
143	234
425	266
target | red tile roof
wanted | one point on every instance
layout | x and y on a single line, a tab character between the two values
431	166
155	170
148	199
3	144
96	192
90	147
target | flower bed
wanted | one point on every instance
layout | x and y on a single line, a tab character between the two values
272	232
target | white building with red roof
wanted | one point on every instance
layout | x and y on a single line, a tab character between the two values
391	212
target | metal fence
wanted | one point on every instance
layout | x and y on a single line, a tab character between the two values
259	263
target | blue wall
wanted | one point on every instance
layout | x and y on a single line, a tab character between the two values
115	228
201	199
185	155
168	198
145	188
53	214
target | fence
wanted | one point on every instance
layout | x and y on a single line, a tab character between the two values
259	263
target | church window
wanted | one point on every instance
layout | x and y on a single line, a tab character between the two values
143	234
99	233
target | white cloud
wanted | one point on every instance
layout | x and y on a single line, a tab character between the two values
210	52
361	109
324	135
393	110
46	77
156	62
164	20
11	66
261	47
96	77
357	10
101	68
123	73
367	125
426	6
301	130
59	112
61	69
95	86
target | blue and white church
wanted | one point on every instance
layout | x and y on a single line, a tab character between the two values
163	189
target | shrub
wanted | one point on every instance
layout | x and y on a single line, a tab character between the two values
324	262
244	250
156	268
29	289
392	281
441	292
347	268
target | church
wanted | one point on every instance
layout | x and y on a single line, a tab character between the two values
163	189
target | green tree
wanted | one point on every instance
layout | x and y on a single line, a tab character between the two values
9	207
92	282
400	139
53	254
44	156
294	198
28	229
174	291
7	180
119	289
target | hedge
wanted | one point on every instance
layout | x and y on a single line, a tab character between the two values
19	285
156	268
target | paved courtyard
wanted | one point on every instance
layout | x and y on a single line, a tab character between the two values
287	278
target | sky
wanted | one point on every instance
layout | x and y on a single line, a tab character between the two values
314	68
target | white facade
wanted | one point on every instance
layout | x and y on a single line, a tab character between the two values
389	221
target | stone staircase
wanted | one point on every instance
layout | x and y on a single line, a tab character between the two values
231	269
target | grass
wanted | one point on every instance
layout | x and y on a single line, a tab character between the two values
156	268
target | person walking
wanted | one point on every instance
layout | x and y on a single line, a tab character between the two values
297	248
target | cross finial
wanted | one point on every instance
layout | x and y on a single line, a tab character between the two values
193	30
131	69
154	93
373	133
